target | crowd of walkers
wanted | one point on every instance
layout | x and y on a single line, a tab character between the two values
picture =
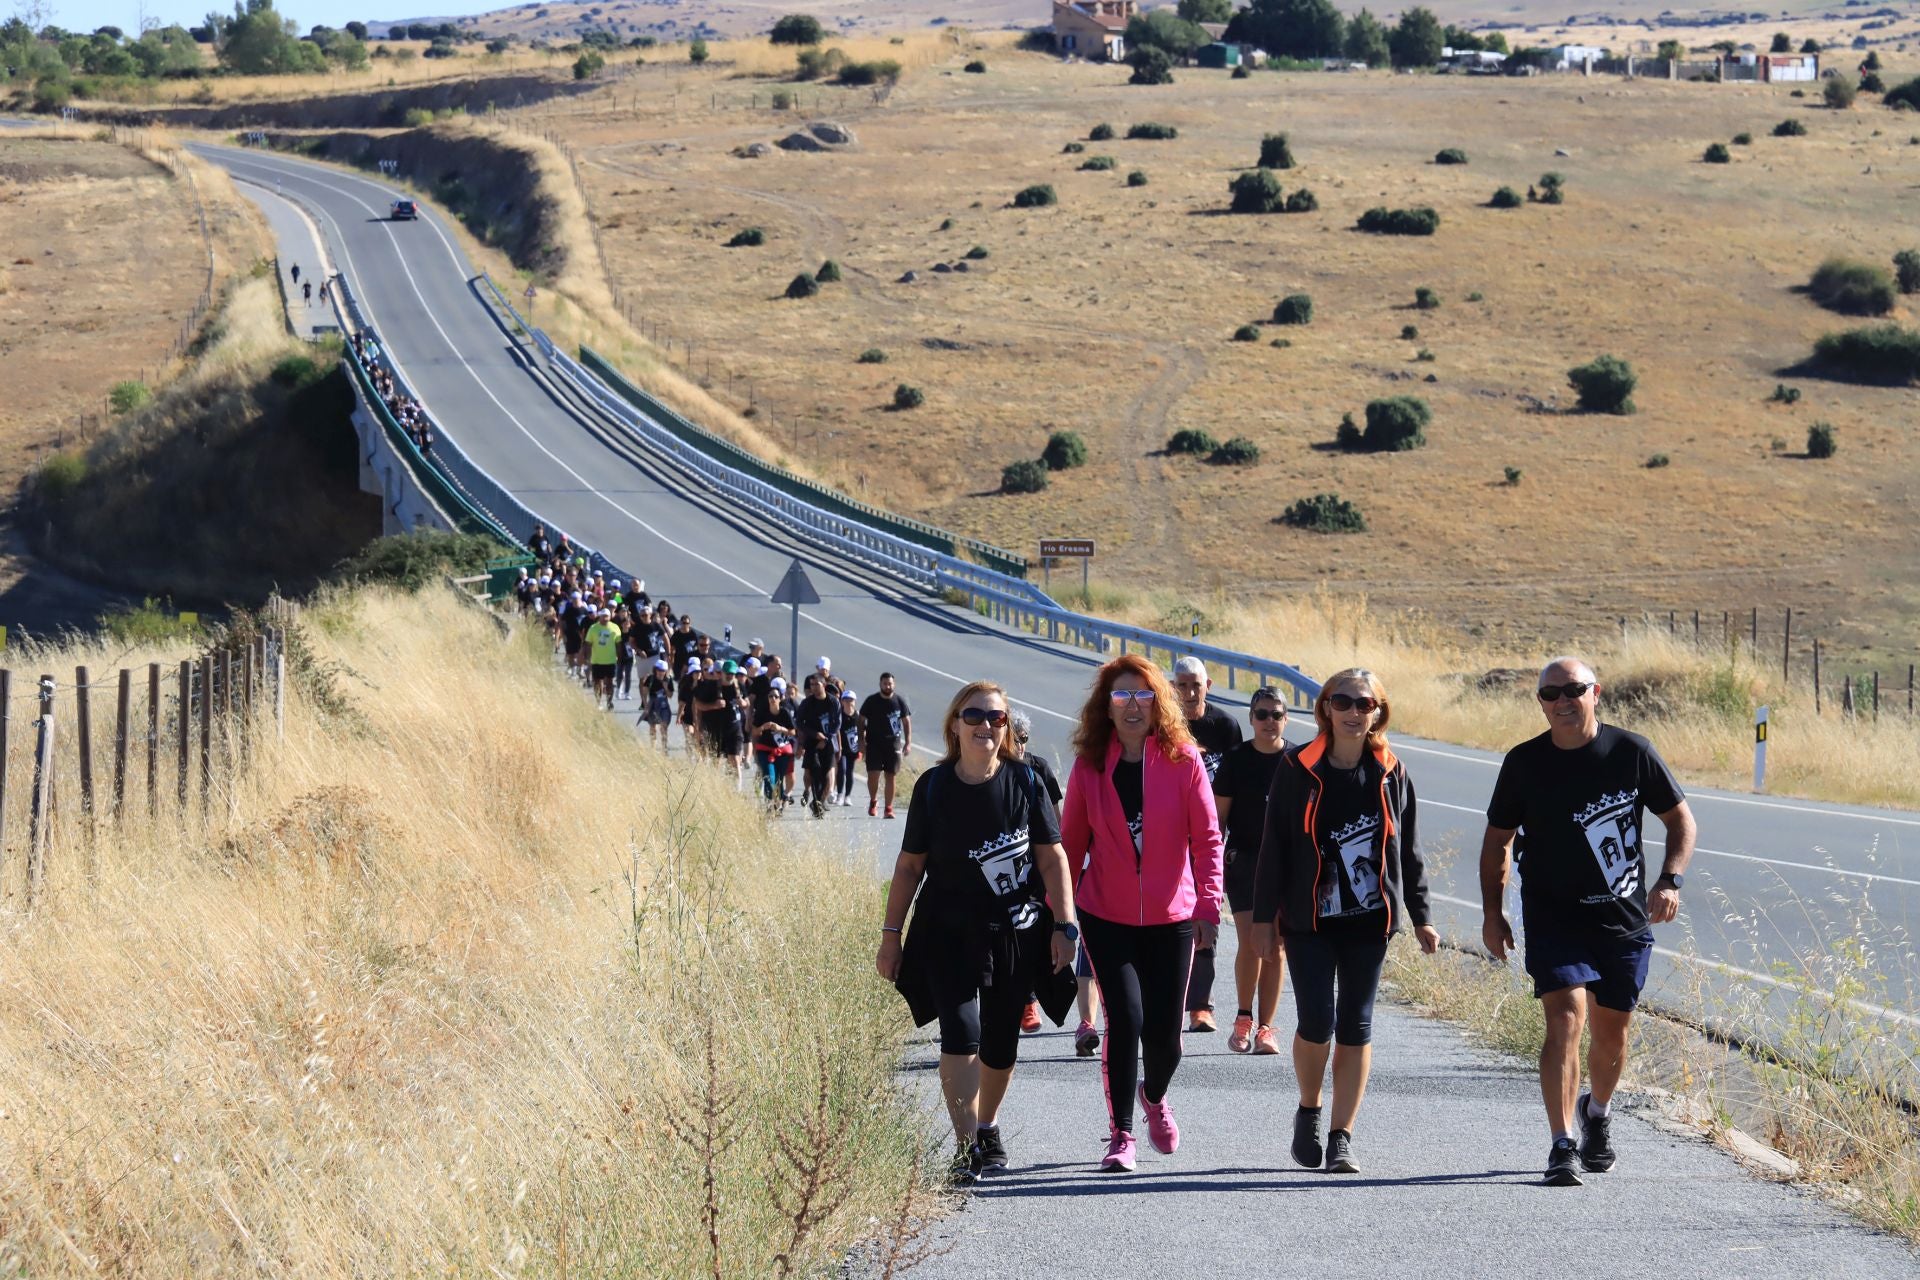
1027	897
406	411
742	712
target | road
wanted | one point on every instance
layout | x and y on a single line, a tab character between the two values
1775	880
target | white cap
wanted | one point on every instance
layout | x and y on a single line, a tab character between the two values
613	584
756	643
659	664
778	683
823	664
693	666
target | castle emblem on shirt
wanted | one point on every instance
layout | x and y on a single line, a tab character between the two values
1355	841
1005	861
1612	827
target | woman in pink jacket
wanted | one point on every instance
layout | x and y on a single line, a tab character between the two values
1139	817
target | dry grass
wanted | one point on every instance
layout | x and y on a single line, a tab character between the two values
428	982
382	73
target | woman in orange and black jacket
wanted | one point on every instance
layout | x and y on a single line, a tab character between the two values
1340	853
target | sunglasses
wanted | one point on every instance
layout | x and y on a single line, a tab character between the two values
1123	696
1347	702
1574	689
976	716
1020	738
1263	714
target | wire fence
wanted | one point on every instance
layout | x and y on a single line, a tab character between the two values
1851	688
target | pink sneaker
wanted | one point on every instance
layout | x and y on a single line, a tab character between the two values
1161	1130
1119	1157
1241	1041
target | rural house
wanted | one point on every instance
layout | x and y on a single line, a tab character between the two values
1767	67
1092	29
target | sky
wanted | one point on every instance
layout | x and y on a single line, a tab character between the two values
85	15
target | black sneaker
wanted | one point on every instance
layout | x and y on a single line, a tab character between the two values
1596	1138
993	1152
1562	1164
965	1169
1340	1152
1306	1138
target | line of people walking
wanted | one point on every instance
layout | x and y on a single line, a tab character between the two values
1009	892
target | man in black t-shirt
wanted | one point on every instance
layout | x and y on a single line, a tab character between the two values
1576	794
887	724
1215	732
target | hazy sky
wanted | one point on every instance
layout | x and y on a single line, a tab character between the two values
85	15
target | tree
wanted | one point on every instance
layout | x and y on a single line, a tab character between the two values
261	42
1782	43
1841	91
1367	40
1206	10
1256	191
1291	28
1417	39
697	51
588	65
1871	62
1811	46
358	30
1605	385
1150	65
1672	50
797	28
1166	30
1906	270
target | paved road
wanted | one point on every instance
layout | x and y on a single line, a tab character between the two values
1774	878
299	245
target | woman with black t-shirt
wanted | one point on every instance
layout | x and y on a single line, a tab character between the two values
1340	850
773	735
818	719
1240	788
981	844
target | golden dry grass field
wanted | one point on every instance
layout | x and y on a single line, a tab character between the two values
1112	315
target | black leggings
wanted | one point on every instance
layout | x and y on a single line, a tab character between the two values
1142	971
976	1019
1200	982
1316	960
818	765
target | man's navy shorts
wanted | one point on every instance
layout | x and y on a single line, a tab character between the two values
1612	969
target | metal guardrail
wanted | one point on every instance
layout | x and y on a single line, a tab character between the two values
1012	601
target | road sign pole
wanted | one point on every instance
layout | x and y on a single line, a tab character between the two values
1760	750
793	641
795	589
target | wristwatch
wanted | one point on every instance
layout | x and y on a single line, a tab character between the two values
1669	878
1070	931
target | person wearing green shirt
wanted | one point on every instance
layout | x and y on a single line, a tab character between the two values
603	653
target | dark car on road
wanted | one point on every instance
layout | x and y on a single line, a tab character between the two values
405	211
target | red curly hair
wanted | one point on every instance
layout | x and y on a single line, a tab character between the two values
1095	732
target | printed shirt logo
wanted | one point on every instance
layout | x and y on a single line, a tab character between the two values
1354	844
893	724
1612	828
1211	760
1006	860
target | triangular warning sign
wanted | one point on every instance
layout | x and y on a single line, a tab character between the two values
795	588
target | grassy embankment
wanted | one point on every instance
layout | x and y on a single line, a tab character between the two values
456	980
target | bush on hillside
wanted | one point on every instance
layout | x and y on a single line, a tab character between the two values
1148	131
1906	270
1604	385
872	355
818	64
1151	65
747	238
1450	155
1275	153
1396	424
829	272
1237	452
802	286
418	560
1295	308
128	396
1191	440
1505	198
1784	394
1097	163
1025	476
1073	148
1552	189
1840	91
976	67
1883	353
1242	72
1400	222
1852	287
1348	435
58	477
586	66
1036	196
878	71
1907	94
1409	333
1742	139
1820	441
295	371
1717	153
797	28
1256	191
1138	178
979	253
1425	299
1247	333
1302	201
908	397
1101	132
1870	82
784	99
1658	461
1324	513
1790	129
1065	450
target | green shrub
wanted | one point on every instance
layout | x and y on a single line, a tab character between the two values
588	65
1717	153
1505	198
1256	191
1191	440
1138	178
802	286
1302	201
1073	148
1396	424
1790	129
1409	332
946	224
784	99
1513	477
1028	475
1840	91
1657	461
128	396
1424	356
417	560
1881	353
1870	63
1237	452
1147	131
1476	296
1552	189
1151	65
1348	435
1784	394
59	476
872	355
979	253
1870	82
1242	72
1035	196
1604	385
1295	308
747	238
1852	287
797	28
829	272
879	71
416	117
1906	270
1065	450
1450	155
1247	333
1280	344
1742	139
1426	299
1101	132
1820	441
1098	163
908	397
1275	153
1325	513
1907	95
295	371
1400	222
976	67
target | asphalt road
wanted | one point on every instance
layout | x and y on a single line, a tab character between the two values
1775	881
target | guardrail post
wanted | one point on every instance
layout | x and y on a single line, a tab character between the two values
42	813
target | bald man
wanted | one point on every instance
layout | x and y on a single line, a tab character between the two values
1577	793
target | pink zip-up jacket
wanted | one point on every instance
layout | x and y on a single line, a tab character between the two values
1177	875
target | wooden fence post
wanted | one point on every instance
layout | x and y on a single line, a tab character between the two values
83	711
6	723
1876	694
246	703
125	704
186	727
1754	639
1909	688
280	685
153	739
42	793
1816	675
206	733
1846	696
1786	649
